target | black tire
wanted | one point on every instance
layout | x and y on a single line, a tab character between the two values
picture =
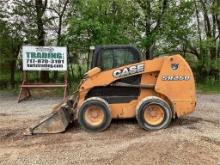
144	106
103	106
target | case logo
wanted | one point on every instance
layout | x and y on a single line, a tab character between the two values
174	66
128	71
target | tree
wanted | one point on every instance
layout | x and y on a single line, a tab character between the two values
58	15
151	22
191	28
112	24
10	42
207	44
40	8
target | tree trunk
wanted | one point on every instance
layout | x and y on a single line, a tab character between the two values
208	30
15	53
218	27
12	70
60	31
198	28
148	52
149	32
40	9
58	44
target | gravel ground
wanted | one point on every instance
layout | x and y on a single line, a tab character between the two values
194	139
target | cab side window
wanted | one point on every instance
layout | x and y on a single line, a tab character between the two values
109	59
106	59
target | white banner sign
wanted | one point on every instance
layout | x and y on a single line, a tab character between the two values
44	58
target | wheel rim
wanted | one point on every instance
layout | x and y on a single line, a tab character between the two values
94	115
154	114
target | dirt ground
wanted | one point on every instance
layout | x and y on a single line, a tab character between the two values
194	139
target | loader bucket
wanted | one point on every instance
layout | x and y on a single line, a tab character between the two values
58	120
53	123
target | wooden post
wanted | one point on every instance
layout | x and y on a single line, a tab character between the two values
66	87
24	92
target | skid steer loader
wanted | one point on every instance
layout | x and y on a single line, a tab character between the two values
121	85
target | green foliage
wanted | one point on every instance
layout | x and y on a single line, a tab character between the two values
155	27
176	29
101	22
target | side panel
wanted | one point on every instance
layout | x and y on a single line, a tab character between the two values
176	82
103	79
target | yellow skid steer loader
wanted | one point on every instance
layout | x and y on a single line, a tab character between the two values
121	85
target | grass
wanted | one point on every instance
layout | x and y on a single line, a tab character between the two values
14	91
208	88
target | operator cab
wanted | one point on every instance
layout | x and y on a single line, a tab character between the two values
108	57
